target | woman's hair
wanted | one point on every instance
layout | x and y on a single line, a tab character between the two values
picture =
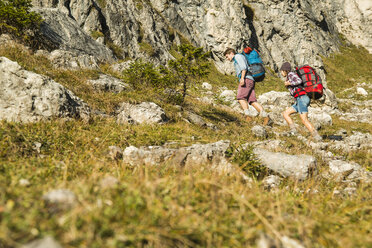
228	51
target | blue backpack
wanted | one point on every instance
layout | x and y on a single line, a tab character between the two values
255	64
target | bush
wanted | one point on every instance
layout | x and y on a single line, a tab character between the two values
17	20
247	160
190	66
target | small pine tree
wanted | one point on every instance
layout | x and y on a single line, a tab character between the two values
192	65
17	20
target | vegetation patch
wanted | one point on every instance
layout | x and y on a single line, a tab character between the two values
17	20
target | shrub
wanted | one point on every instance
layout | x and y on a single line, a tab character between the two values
17	20
191	66
142	74
247	160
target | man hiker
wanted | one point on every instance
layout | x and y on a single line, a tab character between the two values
294	84
246	94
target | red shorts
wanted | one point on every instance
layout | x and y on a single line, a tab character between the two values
247	92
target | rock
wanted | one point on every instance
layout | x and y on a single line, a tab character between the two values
271	182
47	242
121	66
290	243
353	142
323	118
259	131
65	34
195	119
362	91
348	170
207	86
144	113
268	144
109	83
28	97
109	182
281	30
209	154
24	182
115	152
276	100
297	166
60	199
71	60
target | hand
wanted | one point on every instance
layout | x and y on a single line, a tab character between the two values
242	82
287	83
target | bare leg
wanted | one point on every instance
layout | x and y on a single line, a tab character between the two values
257	106
307	123
286	114
243	104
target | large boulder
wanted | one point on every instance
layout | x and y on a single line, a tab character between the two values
296	166
27	97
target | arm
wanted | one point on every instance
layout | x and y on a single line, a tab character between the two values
242	78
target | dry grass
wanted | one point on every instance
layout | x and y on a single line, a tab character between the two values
160	206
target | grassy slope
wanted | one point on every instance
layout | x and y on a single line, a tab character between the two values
162	207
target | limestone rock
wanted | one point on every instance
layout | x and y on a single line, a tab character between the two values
115	152
60	199
109	83
27	97
195	119
66	34
47	242
362	91
146	112
296	166
348	170
259	131
198	154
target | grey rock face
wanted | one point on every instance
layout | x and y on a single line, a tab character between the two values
295	31
146	112
27	97
296	166
66	34
109	83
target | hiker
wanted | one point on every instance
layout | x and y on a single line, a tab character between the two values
302	101
246	94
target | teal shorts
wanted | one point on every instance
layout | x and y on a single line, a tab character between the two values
301	105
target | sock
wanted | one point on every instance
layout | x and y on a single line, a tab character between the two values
292	127
246	111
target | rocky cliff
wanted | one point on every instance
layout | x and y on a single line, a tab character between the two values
299	31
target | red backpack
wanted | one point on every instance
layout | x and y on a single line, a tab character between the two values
312	83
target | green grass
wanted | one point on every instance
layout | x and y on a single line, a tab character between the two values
163	206
347	68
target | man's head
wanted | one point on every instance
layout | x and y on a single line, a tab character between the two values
229	54
285	68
